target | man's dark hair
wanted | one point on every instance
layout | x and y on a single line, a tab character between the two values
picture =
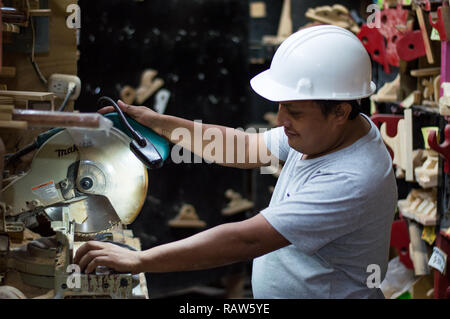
329	106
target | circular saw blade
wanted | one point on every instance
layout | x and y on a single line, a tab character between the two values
109	168
100	215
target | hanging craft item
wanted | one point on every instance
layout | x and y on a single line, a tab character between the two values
381	42
396	131
390	19
388	92
237	204
444	100
443	148
411	46
420	205
437	22
149	85
336	15
187	218
427	174
373	41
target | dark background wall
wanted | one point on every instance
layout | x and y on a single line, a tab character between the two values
199	49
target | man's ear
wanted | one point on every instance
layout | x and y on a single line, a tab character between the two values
342	112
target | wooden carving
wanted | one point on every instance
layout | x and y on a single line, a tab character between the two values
336	15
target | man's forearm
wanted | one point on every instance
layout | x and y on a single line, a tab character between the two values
218	246
214	143
212	248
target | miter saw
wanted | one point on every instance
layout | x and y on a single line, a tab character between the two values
85	183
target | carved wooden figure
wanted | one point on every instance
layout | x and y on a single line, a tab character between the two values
401	144
148	86
284	26
418	250
336	15
390	19
388	92
443	148
427	174
187	218
420	205
237	204
444	101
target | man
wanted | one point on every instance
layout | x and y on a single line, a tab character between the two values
330	215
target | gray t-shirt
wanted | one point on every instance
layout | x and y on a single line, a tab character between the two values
336	211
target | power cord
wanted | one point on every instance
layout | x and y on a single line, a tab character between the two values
38	142
142	147
33	62
136	136
71	89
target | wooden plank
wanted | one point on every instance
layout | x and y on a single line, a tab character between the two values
28	95
418	250
8	71
408	145
258	9
5	116
14	124
53	119
425	72
285	25
426	39
40	12
6	108
10	27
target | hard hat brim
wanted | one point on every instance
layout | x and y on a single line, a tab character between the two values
265	86
271	90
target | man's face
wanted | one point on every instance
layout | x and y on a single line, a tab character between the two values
307	129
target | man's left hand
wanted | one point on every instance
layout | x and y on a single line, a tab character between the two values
96	253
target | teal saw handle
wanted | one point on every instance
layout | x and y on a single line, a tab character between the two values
161	144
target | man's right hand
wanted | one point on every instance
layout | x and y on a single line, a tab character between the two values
141	114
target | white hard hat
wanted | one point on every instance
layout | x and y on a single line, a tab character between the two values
323	62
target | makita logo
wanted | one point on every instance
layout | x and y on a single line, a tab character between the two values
67	151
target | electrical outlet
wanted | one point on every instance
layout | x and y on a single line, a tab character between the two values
59	84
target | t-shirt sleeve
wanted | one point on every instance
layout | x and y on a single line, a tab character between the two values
277	142
324	209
